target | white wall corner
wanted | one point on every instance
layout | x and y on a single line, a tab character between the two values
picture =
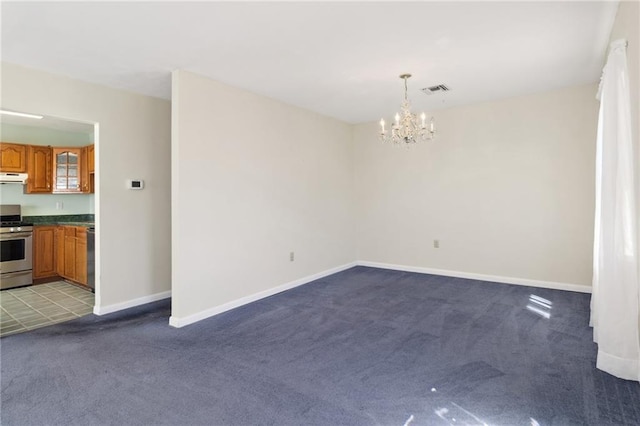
104	310
482	277
179	322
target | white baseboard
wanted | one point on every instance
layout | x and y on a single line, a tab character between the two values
184	321
103	310
473	276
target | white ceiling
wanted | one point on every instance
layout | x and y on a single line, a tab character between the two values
339	59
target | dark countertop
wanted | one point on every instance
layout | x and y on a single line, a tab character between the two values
87	220
85	224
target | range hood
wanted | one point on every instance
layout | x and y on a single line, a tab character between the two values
13	178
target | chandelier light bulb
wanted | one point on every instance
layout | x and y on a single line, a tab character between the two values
406	128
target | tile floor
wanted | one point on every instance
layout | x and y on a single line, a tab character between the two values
36	306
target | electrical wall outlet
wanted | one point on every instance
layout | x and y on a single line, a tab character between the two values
436	243
292	256
59	205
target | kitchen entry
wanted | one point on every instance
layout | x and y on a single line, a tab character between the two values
47	186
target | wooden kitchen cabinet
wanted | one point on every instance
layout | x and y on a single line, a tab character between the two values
13	158
60	261
44	249
81	255
84	166
67	170
39	162
87	166
51	170
72	170
91	158
71	252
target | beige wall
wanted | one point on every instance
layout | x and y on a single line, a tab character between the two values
133	241
253	179
507	188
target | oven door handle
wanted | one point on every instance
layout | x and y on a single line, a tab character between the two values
15	235
15	274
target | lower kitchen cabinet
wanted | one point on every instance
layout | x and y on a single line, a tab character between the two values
61	251
44	247
75	253
69	252
81	255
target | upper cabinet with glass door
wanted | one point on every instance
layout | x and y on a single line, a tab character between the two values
56	154
67	169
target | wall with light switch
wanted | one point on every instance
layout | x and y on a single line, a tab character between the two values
133	140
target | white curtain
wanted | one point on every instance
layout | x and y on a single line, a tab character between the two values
615	302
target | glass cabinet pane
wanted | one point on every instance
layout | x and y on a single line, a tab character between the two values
67	170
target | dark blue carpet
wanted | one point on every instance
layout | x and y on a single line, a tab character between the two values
362	347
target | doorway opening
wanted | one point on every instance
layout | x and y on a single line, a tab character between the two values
49	172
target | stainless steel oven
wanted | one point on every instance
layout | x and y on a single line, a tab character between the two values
16	249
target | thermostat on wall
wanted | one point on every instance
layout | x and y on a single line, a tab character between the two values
135	184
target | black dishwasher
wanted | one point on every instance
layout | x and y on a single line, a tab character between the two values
91	258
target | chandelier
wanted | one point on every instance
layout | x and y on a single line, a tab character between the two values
407	129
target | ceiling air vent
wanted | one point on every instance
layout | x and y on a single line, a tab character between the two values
433	89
